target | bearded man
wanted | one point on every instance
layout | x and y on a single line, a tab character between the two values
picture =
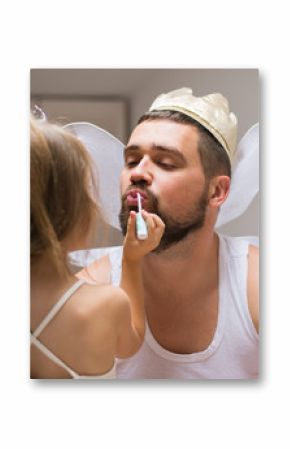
200	287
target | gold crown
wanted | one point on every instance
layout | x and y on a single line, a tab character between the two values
211	111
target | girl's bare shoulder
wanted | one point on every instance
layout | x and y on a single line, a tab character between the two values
94	299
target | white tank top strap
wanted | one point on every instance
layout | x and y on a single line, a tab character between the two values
111	374
235	252
234	246
55	309
51	356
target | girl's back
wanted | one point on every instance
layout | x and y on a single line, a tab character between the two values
84	332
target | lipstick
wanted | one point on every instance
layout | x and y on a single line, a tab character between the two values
141	228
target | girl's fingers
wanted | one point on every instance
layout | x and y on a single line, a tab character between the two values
154	225
158	222
153	220
148	218
131	224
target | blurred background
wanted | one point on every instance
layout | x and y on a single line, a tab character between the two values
114	99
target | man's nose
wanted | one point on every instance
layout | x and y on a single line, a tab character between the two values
141	173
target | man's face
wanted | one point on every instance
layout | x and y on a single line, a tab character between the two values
162	164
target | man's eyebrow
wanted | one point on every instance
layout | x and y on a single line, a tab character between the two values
168	149
131	147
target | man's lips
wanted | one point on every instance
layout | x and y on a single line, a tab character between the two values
132	199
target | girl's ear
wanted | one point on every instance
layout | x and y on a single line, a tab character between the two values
218	190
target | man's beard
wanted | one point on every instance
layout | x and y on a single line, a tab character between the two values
175	230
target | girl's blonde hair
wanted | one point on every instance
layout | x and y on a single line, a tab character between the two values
61	175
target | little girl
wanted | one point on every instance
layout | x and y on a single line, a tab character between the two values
77	329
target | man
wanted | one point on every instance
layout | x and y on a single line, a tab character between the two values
201	288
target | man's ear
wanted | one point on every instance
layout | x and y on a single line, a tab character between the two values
219	188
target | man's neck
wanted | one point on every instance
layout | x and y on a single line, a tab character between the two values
191	264
181	294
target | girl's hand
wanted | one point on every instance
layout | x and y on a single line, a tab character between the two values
134	248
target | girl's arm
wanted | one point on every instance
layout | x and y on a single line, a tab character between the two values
132	328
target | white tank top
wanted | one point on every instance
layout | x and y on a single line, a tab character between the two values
233	352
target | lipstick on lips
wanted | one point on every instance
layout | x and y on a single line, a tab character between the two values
132	197
141	228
